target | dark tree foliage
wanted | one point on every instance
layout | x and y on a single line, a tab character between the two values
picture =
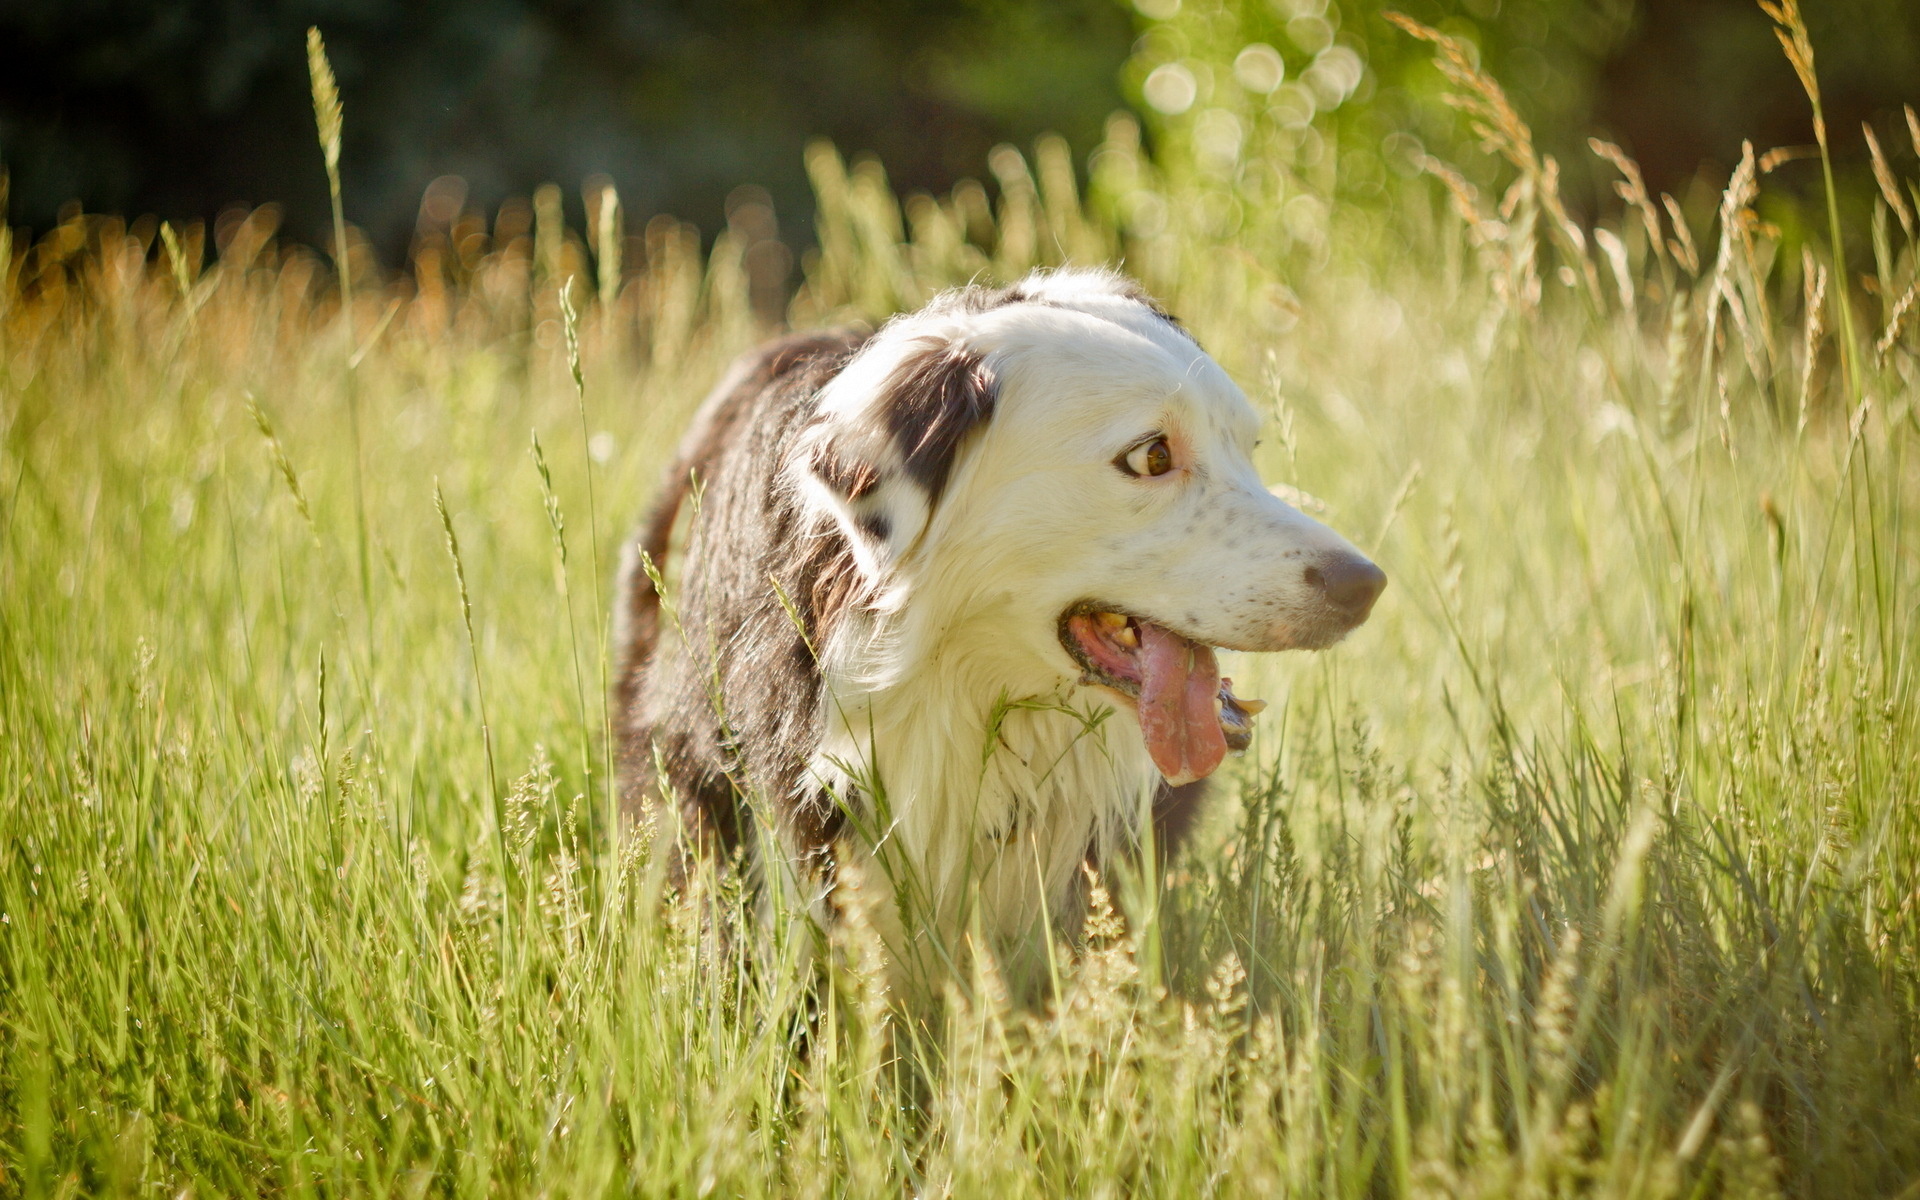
183	107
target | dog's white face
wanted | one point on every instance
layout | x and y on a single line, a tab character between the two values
1101	520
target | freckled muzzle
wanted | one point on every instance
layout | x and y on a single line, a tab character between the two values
1349	584
1188	713
1344	586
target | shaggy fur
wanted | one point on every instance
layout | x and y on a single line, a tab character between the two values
866	649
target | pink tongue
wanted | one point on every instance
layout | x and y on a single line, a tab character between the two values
1179	682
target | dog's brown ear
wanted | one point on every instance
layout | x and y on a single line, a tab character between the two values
936	397
880	465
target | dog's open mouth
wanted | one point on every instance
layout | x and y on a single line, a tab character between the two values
1188	713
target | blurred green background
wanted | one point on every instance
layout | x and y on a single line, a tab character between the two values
185	107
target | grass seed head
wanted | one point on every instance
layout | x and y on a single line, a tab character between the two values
326	99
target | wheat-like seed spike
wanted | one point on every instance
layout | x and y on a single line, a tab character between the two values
1742	187
284	465
570	322
473	655
1897	324
1815	277
327	120
1913	127
555	520
176	259
453	550
609	239
1733	204
326	97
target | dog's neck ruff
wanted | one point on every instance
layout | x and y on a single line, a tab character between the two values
972	781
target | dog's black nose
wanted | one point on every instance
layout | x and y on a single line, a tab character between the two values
1349	582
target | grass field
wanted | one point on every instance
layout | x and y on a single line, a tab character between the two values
1591	865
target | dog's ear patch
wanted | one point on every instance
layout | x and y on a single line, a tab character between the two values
935	398
878	460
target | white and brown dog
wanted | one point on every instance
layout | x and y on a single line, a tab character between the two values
922	570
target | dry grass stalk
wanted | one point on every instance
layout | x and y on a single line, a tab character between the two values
1522	213
1681	247
1499	125
1488	235
1505	251
1616	254
479	689
1734	216
1814	277
1679	328
1883	175
1502	131
284	466
1897	323
1913	127
327	117
1463	195
1632	188
1792	32
1780	156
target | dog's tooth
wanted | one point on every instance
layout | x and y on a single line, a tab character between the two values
1112	620
1127	637
1252	708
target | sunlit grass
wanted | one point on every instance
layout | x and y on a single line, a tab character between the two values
1590	864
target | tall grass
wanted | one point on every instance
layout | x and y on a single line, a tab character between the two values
1591	864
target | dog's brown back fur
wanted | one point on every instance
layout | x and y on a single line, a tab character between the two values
680	693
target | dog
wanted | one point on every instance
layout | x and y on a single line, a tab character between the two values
948	603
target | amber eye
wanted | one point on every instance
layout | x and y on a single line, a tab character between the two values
1153	457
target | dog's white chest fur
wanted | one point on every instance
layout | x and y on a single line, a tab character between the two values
987	812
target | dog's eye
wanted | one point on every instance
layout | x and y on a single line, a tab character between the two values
1152	457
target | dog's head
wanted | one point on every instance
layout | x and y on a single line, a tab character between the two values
1058	474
